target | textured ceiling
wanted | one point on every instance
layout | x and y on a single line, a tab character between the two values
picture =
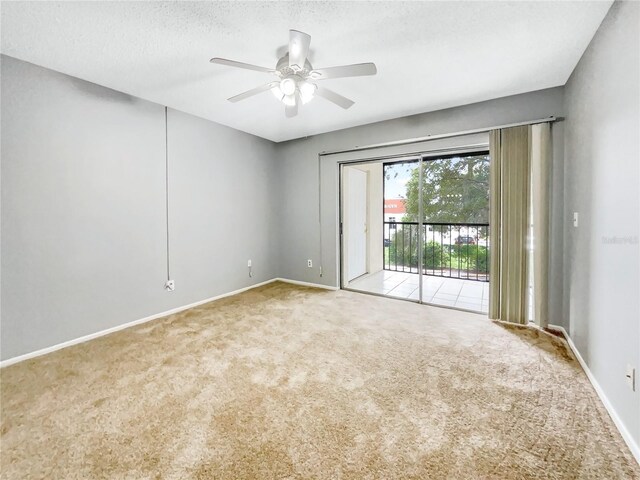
430	55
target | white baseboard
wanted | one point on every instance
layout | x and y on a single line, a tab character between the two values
635	450
91	336
306	284
633	446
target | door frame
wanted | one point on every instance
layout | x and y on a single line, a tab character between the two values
346	232
343	282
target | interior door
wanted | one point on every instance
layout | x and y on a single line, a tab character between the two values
356	222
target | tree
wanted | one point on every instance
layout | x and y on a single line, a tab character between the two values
455	190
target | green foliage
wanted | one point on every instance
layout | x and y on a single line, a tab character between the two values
436	255
475	258
403	250
455	190
482	262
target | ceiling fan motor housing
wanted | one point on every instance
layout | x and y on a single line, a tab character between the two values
285	70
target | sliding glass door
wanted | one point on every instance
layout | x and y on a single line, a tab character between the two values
435	230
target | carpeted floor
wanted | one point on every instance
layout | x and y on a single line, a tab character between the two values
292	382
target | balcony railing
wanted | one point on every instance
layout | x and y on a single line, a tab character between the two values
453	250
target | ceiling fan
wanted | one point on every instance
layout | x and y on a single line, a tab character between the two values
296	75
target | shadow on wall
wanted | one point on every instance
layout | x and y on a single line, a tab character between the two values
103	93
579	240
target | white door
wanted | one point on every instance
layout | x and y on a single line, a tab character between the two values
356	223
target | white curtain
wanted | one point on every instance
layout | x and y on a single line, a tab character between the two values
519	198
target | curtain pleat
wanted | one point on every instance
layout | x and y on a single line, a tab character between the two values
509	205
540	166
495	188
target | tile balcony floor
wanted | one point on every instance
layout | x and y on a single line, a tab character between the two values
449	292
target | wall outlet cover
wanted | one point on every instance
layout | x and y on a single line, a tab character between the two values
309	263
170	285
248	263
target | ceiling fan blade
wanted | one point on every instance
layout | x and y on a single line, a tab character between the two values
253	91
245	66
298	48
334	97
356	70
292	110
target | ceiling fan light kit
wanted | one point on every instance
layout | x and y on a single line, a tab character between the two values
295	74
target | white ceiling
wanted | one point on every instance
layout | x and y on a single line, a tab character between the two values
430	55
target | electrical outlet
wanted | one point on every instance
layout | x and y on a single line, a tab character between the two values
249	263
170	285
309	263
630	376
575	219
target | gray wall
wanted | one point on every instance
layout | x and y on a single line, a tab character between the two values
299	187
83	208
602	183
83	205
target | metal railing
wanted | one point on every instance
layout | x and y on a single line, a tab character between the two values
453	250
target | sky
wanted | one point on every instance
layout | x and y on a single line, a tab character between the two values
395	186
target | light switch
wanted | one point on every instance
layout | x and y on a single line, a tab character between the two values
575	219
630	376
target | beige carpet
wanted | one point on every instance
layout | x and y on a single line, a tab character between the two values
292	382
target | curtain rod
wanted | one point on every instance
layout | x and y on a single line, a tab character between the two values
418	153
408	141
